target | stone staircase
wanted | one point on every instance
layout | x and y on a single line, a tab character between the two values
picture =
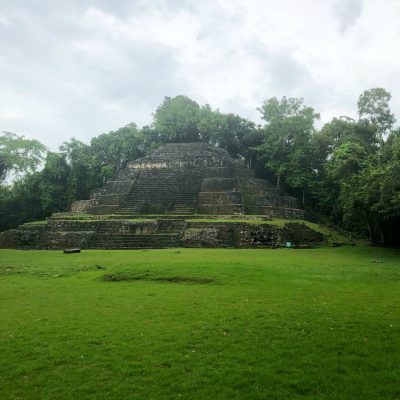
162	190
125	241
142	235
183	210
182	179
220	196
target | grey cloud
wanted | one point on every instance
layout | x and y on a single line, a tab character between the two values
281	69
347	12
85	95
60	86
286	73
146	71
120	8
285	76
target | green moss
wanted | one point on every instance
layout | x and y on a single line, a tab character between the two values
331	235
36	223
236	221
140	220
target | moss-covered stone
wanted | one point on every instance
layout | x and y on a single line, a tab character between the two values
177	182
159	233
185	179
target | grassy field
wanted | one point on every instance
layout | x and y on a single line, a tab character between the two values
200	324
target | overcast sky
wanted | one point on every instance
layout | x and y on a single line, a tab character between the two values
83	67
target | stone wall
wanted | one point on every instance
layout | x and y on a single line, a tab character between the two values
122	234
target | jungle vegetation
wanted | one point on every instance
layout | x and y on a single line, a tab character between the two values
346	173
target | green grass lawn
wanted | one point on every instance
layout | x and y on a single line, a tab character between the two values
200	324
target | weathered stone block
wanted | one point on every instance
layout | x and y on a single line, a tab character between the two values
200	237
80	206
8	239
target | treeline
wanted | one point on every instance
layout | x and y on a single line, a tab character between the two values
346	173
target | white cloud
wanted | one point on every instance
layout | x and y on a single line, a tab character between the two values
80	68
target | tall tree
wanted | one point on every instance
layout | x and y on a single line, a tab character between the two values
374	109
56	184
21	201
289	125
347	160
227	131
113	150
177	119
84	167
18	154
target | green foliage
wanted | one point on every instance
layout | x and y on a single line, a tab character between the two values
85	168
371	200
38	195
181	119
114	150
374	109
347	172
176	120
18	154
56	184
21	202
347	159
342	130
286	145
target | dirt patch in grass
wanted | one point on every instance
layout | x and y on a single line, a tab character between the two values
57	271
189	280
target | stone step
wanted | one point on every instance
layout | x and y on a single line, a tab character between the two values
135	237
161	188
162	234
166	188
148	196
134	244
136	241
141	201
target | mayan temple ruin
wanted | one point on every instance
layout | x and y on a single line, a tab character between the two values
179	195
185	179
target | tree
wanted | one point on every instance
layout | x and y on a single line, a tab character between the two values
224	130
177	119
21	202
112	151
374	109
347	160
232	137
84	167
344	129
56	185
18	154
286	144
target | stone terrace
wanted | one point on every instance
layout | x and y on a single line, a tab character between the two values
185	179
180	195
